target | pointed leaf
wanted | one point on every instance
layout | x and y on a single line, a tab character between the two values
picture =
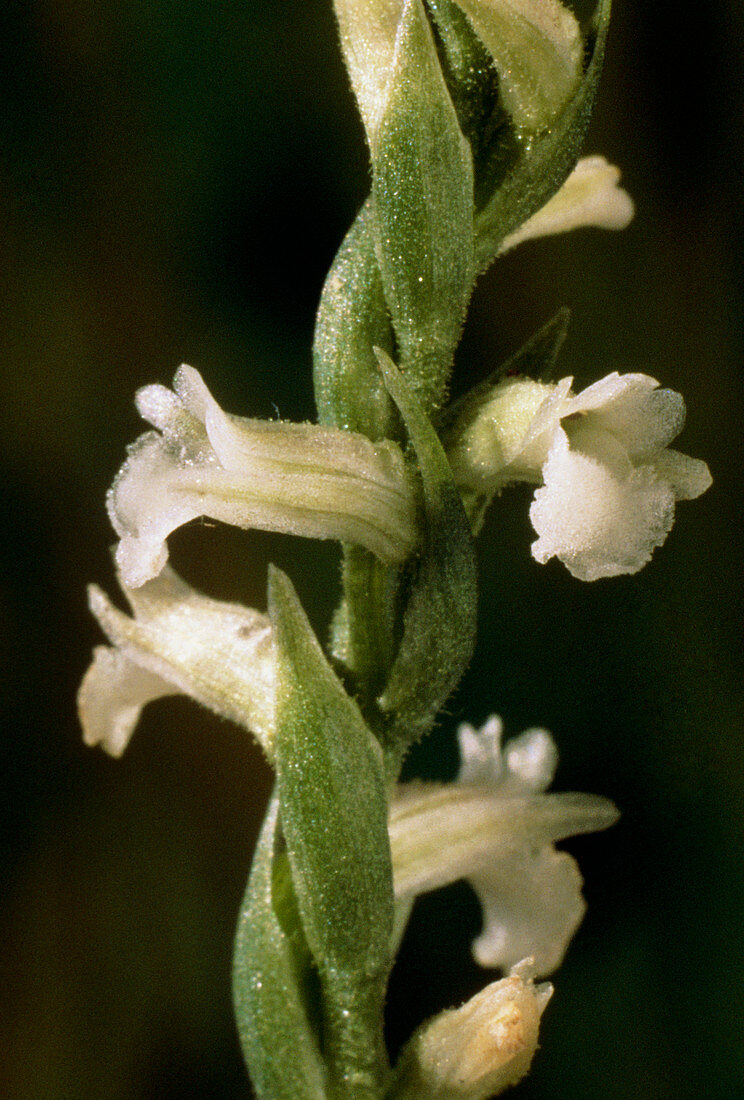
440	618
352	319
270	974
423	203
333	801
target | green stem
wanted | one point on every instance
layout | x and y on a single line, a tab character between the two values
354	1041
369	590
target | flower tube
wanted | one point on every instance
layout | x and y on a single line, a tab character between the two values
276	476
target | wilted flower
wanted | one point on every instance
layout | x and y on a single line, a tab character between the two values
178	642
610	480
496	828
476	1051
296	478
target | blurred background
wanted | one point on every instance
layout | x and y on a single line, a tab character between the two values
174	182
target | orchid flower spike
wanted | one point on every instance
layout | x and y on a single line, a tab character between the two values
296	478
609	479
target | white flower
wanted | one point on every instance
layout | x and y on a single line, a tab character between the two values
591	196
221	654
297	478
474	1052
496	828
610	480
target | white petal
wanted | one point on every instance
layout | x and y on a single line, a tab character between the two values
220	654
526	764
192	391
688	477
111	697
480	752
539	436
591	196
642	417
596	513
532	905
531	760
165	410
611	388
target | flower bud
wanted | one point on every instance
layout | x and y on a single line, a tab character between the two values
538	51
536	47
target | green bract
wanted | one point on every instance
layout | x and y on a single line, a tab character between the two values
270	982
440	616
352	320
334	817
422	194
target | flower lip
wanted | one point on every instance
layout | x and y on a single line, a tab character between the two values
610	480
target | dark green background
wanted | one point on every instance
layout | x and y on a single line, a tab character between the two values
174	181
